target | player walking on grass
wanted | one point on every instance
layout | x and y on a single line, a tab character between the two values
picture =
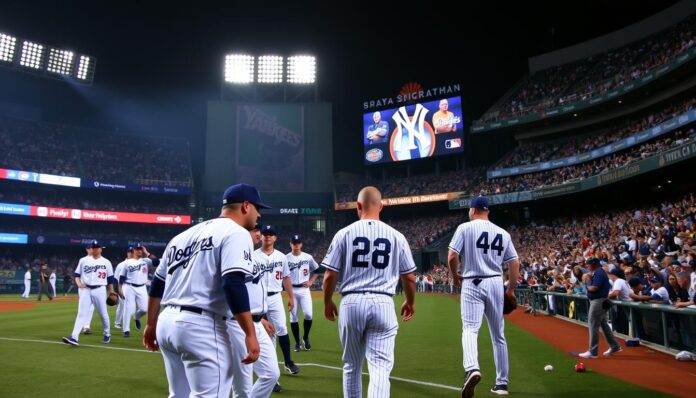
483	248
93	274
302	273
117	272
369	257
201	284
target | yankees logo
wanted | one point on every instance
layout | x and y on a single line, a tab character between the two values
414	137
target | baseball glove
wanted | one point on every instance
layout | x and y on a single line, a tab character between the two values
509	304
112	299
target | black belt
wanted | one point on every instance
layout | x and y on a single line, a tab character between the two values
94	286
479	278
195	310
134	285
269	294
365	292
255	318
300	285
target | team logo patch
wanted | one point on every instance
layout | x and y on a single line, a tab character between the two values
374	155
413	137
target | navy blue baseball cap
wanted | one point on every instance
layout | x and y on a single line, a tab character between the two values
655	279
297	238
138	245
131	249
94	244
635	281
240	193
480	203
268	230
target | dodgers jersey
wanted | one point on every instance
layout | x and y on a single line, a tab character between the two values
276	269
370	256
483	247
195	261
94	271
256	286
135	271
118	269
301	267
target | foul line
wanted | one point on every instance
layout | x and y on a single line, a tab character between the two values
105	347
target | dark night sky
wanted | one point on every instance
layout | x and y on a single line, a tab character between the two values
158	64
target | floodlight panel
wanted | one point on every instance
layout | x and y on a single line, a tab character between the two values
60	61
85	68
302	69
32	55
8	45
239	68
270	69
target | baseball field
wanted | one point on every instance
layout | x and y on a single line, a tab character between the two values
427	359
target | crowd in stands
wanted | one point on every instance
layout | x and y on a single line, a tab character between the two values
545	151
133	204
588	78
97	155
649	248
579	172
422	231
436	280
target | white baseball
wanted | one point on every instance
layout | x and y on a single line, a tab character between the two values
548	368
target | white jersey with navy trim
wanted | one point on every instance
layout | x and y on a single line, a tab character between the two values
301	267
276	269
195	261
483	247
135	271
370	256
256	285
94	271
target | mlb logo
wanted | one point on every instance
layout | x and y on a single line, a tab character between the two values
453	143
76	214
42	211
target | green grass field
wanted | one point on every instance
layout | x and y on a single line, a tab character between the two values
428	350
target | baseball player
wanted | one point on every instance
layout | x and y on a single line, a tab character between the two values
302	274
201	284
93	275
52	281
277	278
90	313
266	368
369	257
27	283
132	280
117	273
483	248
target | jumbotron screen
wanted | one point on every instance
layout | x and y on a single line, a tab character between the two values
415	131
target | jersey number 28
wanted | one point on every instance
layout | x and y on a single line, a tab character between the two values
380	257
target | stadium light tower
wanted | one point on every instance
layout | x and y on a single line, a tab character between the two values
60	61
239	68
32	55
302	69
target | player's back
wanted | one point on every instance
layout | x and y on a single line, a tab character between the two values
191	265
483	247
370	256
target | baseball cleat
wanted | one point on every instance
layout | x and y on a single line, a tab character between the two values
277	387
86	331
137	324
297	348
500	389
126	334
307	346
71	341
292	368
117	326
106	339
473	377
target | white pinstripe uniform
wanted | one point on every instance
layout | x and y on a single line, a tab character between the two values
483	248
192	329
301	268
135	273
266	367
119	308
369	256
277	270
